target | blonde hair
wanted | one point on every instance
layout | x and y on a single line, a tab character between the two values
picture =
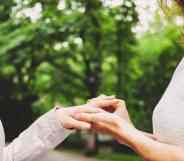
172	7
175	8
179	3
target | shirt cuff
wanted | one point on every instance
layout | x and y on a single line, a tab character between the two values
51	131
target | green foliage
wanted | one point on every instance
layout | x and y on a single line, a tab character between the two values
67	51
158	55
86	49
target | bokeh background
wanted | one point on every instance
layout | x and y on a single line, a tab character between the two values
65	52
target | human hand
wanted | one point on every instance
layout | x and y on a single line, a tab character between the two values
119	108
64	115
107	123
108	103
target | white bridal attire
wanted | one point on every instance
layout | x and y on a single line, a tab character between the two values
44	134
168	116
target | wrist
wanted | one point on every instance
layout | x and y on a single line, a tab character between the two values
127	133
58	112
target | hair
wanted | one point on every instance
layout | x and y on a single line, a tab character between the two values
176	8
180	3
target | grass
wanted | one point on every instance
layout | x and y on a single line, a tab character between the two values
117	157
110	156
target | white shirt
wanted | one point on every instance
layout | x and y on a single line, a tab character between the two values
168	116
44	134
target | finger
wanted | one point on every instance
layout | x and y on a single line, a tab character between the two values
100	127
109	105
121	106
121	103
83	117
104	118
78	125
101	97
96	118
88	108
105	103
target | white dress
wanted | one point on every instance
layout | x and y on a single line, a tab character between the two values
168	116
42	135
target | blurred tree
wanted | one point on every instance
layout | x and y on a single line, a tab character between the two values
5	9
125	38
56	57
71	51
157	66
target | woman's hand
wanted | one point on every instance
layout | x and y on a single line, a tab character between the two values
107	123
147	148
64	115
123	131
120	108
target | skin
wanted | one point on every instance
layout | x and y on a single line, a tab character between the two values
121	128
120	109
64	115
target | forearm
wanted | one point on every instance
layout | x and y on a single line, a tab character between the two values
43	135
149	135
152	150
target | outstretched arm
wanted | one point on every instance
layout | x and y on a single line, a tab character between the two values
47	132
150	149
43	135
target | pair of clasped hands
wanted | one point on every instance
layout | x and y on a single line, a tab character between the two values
104	114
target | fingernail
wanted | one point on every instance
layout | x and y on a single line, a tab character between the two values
75	112
76	115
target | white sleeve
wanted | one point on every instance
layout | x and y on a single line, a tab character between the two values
44	134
